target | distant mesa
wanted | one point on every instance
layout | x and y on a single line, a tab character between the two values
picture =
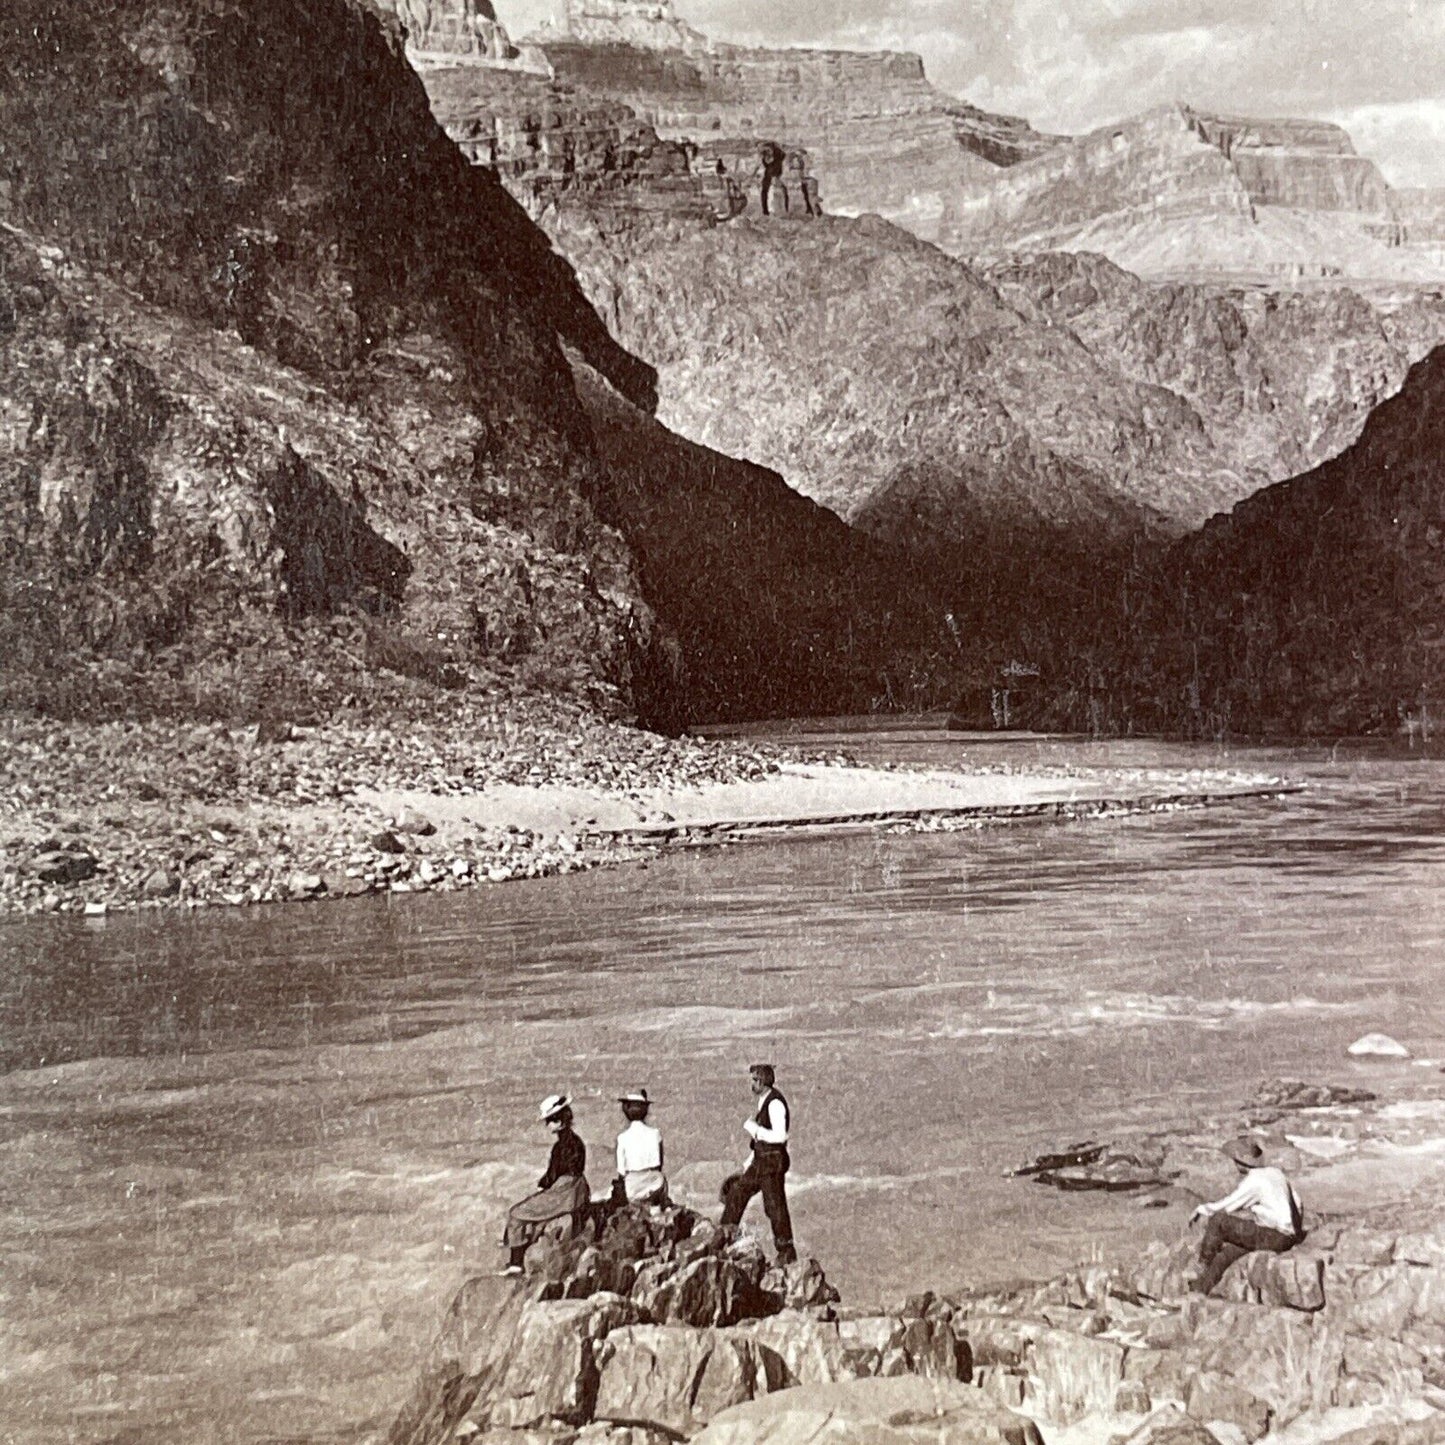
644	24
460	32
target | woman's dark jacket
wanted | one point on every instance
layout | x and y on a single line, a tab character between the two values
569	1157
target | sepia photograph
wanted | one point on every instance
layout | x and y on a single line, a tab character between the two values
722	721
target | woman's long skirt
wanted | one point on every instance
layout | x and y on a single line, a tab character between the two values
569	1196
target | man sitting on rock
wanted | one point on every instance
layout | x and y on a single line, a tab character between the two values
768	1129
1263	1213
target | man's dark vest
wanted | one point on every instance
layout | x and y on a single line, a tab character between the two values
761	1117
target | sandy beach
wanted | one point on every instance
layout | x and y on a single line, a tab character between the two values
157	814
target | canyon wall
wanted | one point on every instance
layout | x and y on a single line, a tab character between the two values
1314	605
1181	194
1055	390
287	411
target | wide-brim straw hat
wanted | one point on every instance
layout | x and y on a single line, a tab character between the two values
1245	1151
635	1096
553	1105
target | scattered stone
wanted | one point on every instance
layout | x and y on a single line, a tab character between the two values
1378	1046
65	866
96	910
416	823
160	884
1296	1094
387	842
306	885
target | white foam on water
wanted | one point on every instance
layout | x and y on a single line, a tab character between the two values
1100	1010
706	1018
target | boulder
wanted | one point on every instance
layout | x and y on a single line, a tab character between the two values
1292	1361
1071	1376
1378	1046
1212	1396
800	1285
905	1411
1294	1280
551	1373
386	841
470	1351
926	1347
810	1351
676	1379
160	883
1421	1248
69	866
415	823
709	1291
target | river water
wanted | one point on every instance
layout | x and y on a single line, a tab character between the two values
247	1156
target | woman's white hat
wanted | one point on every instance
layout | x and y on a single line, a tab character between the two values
553	1105
634	1096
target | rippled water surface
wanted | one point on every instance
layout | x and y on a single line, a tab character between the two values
245	1157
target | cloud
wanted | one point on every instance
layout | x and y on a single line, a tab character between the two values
1071	65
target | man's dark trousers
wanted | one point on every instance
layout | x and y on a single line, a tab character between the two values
764	1175
1228	1237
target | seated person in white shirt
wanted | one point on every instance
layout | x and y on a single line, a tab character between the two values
640	1179
1263	1213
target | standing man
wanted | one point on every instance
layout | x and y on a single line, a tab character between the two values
770	158
768	1130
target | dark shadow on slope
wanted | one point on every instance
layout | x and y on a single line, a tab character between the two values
778	608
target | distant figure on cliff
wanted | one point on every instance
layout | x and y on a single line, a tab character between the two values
640	1179
1263	1213
770	157
767	1127
562	1192
802	188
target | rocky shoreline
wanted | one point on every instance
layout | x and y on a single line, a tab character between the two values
662	1328
102	817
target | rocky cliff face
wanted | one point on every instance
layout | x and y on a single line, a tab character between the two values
286	410
926	397
881	137
1314	606
1179	193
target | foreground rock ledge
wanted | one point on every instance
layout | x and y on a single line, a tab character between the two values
664	1329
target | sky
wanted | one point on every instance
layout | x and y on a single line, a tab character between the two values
1377	67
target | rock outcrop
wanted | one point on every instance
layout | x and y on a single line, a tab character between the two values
286	408
1339	1339
931	399
1179	193
1313	605
452	31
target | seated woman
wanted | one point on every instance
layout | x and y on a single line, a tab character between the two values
1263	1213
640	1179
562	1192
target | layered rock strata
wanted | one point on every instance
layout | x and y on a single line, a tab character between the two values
1178	192
882	138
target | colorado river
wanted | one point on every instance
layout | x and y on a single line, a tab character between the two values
247	1156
